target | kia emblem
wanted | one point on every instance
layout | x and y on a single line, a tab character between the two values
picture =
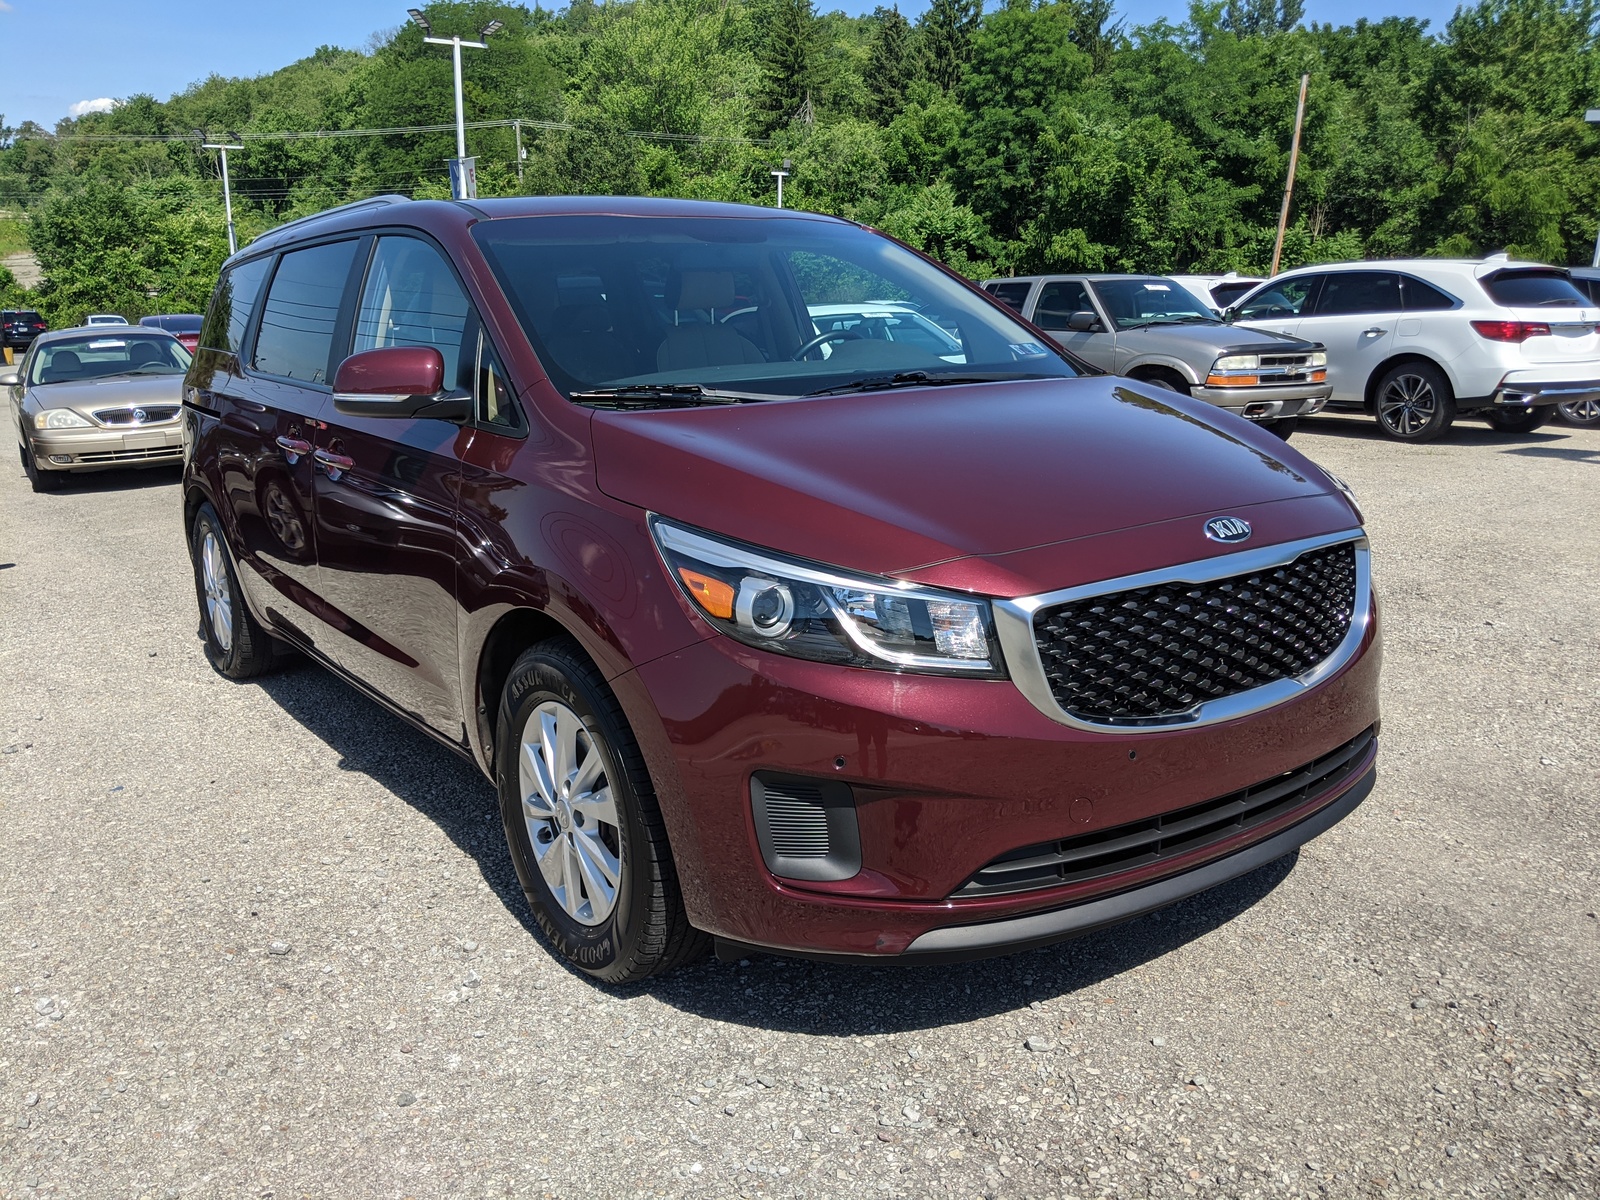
1228	529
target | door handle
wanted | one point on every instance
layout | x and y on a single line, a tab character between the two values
1373	332
293	448
334	464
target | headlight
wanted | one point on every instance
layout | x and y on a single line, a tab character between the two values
1317	359
1228	364
811	611
60	418
1349	494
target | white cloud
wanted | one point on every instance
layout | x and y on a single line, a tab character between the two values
104	104
4	7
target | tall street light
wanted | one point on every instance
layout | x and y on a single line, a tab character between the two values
463	170
227	191
1593	117
780	174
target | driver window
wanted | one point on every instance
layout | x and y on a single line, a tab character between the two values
1288	298
1058	301
411	298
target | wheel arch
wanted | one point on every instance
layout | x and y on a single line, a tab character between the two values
1369	397
1147	368
511	634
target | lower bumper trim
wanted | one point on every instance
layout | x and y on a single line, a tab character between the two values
1041	929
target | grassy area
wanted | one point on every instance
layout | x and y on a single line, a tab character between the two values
13	235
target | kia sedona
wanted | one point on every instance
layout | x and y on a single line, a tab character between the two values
773	634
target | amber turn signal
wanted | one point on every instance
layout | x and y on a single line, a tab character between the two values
1232	380
709	592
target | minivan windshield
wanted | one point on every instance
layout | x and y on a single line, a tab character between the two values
680	310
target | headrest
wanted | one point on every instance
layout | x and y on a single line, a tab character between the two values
66	360
144	352
703	289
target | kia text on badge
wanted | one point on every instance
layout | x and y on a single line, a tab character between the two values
1228	529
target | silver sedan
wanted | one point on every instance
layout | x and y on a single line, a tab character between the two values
93	399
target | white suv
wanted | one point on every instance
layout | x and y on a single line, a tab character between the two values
1416	341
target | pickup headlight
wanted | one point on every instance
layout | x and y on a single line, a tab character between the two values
60	418
1317	358
811	611
1235	370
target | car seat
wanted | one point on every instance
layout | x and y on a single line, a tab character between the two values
703	343
143	352
583	344
64	365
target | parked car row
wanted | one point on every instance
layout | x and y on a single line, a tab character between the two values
1413	343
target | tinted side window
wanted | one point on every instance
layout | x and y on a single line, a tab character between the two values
1423	297
1531	289
1013	295
1287	298
411	298
1348	292
231	305
1226	293
300	311
1058	301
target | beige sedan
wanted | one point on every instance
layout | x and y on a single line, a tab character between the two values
94	399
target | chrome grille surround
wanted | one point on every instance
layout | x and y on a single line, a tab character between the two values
1014	624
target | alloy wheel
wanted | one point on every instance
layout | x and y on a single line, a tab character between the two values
1582	412
1407	405
219	601
570	812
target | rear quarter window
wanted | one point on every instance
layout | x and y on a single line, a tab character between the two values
1533	289
1423	297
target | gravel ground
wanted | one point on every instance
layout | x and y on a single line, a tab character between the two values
263	941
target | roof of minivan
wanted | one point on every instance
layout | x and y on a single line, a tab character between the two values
380	210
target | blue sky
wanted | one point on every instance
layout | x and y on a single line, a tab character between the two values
58	53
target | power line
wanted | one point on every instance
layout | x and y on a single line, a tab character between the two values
287	135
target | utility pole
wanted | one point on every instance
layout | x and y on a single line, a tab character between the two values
1288	186
463	171
521	153
780	174
1593	117
227	191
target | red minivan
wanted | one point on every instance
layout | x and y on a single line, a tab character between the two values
779	619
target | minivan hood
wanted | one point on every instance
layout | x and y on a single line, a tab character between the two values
896	483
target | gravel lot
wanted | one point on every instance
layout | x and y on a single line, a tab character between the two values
263	941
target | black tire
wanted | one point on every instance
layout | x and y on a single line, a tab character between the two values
39	481
1164	383
236	644
1518	420
1580	412
1414	403
1284	427
645	929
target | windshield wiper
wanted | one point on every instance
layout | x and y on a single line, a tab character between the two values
877	383
663	395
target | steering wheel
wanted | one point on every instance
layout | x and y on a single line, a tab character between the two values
836	335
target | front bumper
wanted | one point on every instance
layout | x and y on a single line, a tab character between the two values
948	775
1267	403
103	449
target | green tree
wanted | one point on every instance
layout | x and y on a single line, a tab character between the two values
892	66
947	31
791	75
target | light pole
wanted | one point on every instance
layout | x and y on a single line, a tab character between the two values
463	171
227	191
1593	117
780	174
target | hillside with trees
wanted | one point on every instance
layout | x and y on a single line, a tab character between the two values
1033	136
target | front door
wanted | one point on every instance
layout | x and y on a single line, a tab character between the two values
1355	319
386	497
1058	300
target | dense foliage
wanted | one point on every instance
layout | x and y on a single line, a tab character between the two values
1032	136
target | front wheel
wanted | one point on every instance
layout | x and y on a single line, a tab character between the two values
1284	426
39	481
581	819
1580	412
1517	420
1415	403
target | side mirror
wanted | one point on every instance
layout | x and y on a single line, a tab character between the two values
1083	322
397	381
10	376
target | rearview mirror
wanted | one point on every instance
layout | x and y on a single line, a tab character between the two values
397	381
10	376
1083	322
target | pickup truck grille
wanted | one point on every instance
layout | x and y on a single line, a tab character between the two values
1153	654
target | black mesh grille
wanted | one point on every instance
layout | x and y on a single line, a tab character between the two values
1156	652
1125	847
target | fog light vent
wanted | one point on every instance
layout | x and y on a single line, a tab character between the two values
806	827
